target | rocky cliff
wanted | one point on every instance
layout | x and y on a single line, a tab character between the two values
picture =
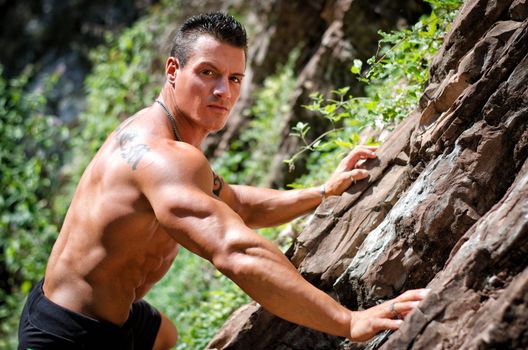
446	206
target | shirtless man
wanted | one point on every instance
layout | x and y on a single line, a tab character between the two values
150	189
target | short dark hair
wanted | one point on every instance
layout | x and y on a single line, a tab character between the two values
220	26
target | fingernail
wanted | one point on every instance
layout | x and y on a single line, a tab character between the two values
424	292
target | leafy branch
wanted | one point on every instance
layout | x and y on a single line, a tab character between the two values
300	130
393	83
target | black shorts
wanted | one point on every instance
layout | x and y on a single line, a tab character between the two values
46	325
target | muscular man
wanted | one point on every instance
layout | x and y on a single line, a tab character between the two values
149	189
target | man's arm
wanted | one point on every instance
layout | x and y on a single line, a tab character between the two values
262	207
179	190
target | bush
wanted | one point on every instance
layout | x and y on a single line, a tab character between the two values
197	298
33	149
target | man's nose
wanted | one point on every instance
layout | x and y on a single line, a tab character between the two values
221	88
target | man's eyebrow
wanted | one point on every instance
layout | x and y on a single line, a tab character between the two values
207	63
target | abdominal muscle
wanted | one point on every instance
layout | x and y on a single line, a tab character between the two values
101	283
111	249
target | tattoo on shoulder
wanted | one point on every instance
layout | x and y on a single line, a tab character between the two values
130	152
123	125
218	183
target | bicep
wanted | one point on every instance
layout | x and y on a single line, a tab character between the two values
180	194
209	228
178	187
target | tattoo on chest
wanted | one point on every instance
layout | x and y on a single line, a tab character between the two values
131	152
218	183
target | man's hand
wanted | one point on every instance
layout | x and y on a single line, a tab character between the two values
347	171
388	315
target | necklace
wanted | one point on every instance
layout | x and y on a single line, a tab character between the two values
172	121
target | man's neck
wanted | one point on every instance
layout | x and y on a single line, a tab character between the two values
188	132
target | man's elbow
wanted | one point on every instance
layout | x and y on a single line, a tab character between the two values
239	256
234	264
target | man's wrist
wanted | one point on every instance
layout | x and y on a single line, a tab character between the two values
322	191
346	324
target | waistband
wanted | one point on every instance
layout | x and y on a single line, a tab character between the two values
47	315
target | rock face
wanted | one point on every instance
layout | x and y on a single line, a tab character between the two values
446	206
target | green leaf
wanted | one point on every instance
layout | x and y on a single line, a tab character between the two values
356	66
344	144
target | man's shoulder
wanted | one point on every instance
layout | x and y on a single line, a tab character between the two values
176	153
168	159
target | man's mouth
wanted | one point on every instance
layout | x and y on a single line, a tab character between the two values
219	107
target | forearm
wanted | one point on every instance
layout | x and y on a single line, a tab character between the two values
261	207
264	273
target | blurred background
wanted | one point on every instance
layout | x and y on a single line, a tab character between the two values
322	76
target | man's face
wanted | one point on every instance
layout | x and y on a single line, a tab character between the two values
207	88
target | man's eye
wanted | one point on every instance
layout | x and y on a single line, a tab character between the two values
208	72
235	80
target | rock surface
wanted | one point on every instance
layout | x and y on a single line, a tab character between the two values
445	207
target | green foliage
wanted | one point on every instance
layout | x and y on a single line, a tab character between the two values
393	83
121	83
247	160
37	185
31	156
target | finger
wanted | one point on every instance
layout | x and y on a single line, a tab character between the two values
405	307
404	314
412	295
365	153
381	324
352	158
367	150
360	164
357	174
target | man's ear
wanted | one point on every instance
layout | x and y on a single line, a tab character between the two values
172	67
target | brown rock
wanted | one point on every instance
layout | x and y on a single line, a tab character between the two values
445	206
479	300
519	10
